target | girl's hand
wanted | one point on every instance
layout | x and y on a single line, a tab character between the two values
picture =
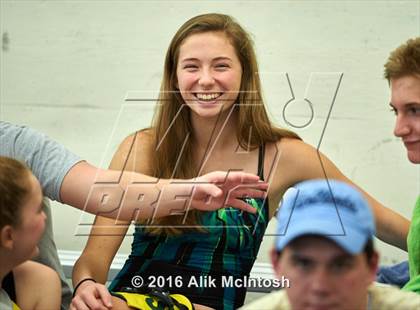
91	295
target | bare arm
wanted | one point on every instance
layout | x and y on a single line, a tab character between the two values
131	196
103	243
127	195
305	163
94	263
33	282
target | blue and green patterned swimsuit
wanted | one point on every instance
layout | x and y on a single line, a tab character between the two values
226	250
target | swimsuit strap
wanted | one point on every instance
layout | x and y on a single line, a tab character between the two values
261	155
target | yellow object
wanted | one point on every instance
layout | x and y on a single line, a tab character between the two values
148	302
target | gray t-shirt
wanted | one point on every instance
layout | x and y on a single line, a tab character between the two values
49	162
5	302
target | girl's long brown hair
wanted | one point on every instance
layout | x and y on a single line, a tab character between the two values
172	130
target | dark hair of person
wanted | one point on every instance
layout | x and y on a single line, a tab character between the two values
14	190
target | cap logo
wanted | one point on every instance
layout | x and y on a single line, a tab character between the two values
324	197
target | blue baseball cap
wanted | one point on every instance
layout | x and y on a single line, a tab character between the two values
329	208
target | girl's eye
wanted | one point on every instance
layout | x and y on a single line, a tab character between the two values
190	67
222	66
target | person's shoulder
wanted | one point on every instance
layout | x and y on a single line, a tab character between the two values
389	297
297	154
12	133
134	152
275	300
33	273
136	141
9	126
288	158
291	146
285	148
143	136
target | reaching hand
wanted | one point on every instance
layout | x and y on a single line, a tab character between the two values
221	189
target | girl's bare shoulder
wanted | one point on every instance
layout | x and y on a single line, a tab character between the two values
288	152
134	151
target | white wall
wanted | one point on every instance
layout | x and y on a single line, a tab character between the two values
68	66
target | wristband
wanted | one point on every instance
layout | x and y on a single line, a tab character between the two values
78	284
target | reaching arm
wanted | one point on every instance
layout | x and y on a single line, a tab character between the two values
132	196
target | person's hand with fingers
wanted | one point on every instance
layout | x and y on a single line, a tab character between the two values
221	189
90	295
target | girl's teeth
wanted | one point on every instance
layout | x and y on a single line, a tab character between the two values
207	96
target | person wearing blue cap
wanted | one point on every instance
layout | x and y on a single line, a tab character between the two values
324	247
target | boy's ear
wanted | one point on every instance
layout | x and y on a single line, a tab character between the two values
6	237
373	265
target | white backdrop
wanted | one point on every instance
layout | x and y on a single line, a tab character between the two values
67	68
